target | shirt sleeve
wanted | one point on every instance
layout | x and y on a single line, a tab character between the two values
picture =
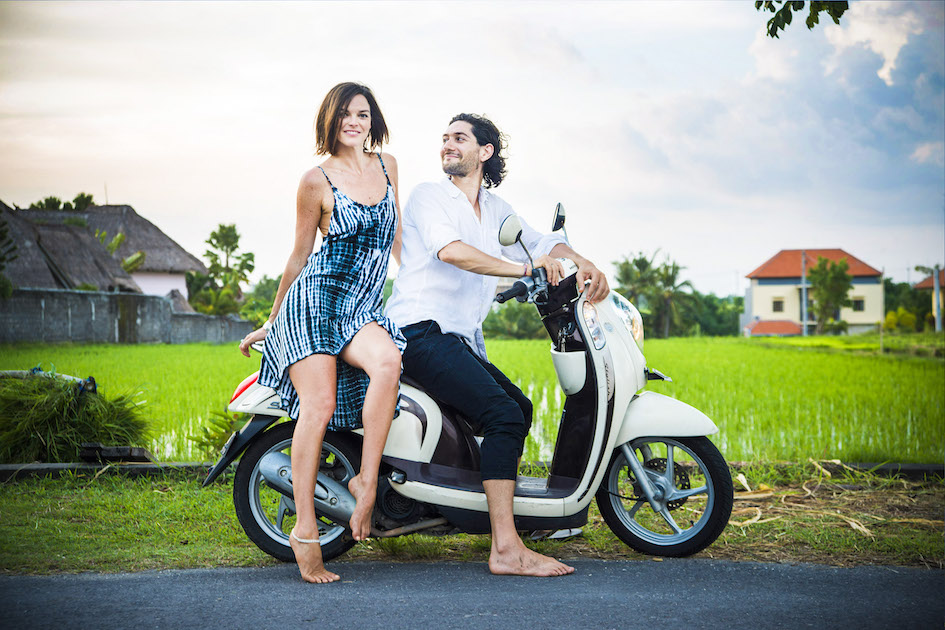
538	244
429	214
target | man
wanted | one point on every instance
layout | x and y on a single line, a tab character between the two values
449	262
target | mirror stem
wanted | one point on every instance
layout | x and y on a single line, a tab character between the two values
531	263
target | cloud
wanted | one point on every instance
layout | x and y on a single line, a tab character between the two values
882	27
933	152
774	58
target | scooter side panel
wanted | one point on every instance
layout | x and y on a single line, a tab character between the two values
652	414
438	495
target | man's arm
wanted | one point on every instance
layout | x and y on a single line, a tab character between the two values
469	258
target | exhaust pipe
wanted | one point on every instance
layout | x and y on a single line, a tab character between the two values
332	499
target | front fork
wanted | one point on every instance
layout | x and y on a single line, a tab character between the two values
657	494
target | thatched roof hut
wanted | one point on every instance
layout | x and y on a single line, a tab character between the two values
55	255
29	268
162	253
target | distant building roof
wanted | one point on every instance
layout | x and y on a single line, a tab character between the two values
787	263
161	253
774	327
61	256
927	283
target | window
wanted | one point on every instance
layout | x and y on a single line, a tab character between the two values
777	305
859	304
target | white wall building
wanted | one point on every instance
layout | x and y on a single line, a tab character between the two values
773	302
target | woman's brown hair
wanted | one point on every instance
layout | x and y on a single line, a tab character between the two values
333	109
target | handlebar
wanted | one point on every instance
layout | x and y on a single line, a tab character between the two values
518	289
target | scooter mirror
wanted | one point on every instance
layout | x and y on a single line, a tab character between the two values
510	231
558	222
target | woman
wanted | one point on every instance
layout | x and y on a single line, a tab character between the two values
329	352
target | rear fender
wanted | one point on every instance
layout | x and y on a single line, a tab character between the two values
652	414
238	443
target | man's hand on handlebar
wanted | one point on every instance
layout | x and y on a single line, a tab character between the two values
553	268
591	278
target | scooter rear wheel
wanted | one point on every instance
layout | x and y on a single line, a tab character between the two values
267	516
696	496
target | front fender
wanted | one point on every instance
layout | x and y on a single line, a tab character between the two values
652	414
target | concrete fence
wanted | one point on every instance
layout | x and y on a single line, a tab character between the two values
54	315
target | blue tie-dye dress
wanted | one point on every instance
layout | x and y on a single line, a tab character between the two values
339	290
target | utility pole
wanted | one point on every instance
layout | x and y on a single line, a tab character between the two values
882	321
937	293
804	292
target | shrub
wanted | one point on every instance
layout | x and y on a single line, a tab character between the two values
906	319
211	438
892	321
47	418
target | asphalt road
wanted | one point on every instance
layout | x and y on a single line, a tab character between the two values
642	594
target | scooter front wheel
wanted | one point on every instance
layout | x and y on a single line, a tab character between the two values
692	491
267	516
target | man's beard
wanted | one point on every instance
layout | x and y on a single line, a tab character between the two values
463	167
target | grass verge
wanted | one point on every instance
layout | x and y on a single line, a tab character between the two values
112	523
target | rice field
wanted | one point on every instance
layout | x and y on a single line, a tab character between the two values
771	403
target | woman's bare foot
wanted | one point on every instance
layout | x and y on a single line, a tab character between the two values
365	494
308	555
520	560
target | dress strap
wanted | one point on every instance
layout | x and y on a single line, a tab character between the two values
326	176
385	169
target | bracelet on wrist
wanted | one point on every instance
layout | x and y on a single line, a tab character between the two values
267	325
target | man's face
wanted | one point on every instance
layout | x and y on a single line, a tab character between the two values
461	153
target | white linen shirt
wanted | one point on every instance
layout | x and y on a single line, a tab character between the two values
437	214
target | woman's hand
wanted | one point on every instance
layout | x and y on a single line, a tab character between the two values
553	268
257	335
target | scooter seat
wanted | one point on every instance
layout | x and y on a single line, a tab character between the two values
446	409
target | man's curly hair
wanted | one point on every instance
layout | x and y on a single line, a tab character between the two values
493	169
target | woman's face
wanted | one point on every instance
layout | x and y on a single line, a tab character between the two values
355	124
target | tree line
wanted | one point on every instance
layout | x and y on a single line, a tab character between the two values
670	305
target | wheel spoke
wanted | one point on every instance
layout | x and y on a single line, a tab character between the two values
670	521
286	507
668	474
685	494
636	507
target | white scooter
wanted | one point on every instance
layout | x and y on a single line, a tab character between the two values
660	484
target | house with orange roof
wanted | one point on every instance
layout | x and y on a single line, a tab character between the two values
773	300
927	285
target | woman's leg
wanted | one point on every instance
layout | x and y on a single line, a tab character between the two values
314	380
373	351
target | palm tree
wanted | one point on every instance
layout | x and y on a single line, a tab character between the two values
636	278
669	295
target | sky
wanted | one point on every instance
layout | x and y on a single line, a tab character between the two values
670	128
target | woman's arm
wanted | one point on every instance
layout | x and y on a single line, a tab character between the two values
310	207
391	165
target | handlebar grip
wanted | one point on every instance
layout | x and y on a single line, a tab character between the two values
517	289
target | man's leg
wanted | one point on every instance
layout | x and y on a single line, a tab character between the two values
509	555
451	372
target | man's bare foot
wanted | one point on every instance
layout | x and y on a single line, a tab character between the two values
308	555
365	494
520	560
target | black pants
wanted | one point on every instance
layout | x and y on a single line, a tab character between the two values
450	371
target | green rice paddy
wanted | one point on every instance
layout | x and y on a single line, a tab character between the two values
771	403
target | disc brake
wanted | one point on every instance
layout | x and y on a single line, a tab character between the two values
658	464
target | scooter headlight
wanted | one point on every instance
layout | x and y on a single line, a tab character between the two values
630	317
593	325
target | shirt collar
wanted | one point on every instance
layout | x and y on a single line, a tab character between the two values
455	192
